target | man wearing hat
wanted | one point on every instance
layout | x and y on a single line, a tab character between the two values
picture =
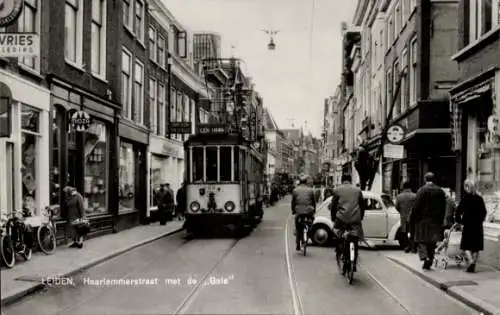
75	212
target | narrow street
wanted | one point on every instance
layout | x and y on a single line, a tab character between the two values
255	270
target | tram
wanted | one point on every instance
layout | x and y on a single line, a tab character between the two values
225	183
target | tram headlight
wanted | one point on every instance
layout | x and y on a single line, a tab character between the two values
194	206
229	206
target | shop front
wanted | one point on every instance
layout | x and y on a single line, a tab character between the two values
474	107
132	175
84	158
24	147
166	165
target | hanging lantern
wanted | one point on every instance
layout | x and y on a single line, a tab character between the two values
271	45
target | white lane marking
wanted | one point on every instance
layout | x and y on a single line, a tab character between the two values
297	305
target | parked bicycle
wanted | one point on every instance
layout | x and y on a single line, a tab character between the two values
347	257
46	232
306	221
6	245
20	236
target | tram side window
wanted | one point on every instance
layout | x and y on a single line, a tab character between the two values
211	164
197	164
225	164
236	164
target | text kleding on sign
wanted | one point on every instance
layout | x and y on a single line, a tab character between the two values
19	44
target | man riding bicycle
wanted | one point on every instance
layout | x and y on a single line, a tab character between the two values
347	212
303	207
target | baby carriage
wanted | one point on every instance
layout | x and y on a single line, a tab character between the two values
449	249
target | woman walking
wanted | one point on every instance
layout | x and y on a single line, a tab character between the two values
471	213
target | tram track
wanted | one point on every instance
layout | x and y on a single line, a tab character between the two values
298	308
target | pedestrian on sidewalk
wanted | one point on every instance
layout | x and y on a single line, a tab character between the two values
404	203
427	218
162	201
181	201
76	215
170	202
471	213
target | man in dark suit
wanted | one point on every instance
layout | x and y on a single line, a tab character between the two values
404	204
427	219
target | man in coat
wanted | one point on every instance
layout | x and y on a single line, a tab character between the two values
162	202
181	201
404	204
75	212
303	204
427	219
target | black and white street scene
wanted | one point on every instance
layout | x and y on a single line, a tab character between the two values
296	157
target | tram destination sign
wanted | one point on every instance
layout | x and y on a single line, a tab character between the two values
212	129
179	127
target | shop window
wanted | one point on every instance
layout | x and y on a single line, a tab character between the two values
127	177
57	127
197	158
211	164
96	169
225	167
159	175
30	124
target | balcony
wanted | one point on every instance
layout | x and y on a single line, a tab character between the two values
213	69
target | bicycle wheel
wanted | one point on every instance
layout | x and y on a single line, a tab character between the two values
46	239
352	261
7	251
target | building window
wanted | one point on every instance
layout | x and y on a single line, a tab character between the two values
138	104
96	169
152	104
29	22
152	44
98	46
173	105
30	126
413	72
483	16
388	85
139	20
397	104
126	84
160	116
161	50
398	20
127	13
127	177
73	31
404	81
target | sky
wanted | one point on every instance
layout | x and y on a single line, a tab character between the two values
295	78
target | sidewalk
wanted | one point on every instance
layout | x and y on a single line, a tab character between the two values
480	290
26	277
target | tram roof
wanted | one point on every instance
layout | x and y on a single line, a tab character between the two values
204	139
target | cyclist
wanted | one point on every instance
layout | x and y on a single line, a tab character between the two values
303	205
347	211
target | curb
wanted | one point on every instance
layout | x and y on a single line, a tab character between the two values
469	300
40	286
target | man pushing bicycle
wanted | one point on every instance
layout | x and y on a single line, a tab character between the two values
347	211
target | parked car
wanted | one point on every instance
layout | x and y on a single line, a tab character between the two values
380	225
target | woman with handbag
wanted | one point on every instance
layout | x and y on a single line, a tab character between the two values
76	215
471	213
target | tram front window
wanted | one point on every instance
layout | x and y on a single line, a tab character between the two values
225	164
197	166
211	163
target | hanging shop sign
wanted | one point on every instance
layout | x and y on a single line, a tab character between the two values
5	111
183	127
395	134
10	10
80	121
394	151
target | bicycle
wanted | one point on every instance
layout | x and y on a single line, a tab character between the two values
20	235
46	233
6	245
306	221
348	256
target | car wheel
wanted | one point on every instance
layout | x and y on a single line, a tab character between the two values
321	235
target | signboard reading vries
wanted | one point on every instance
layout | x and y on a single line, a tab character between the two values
16	44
